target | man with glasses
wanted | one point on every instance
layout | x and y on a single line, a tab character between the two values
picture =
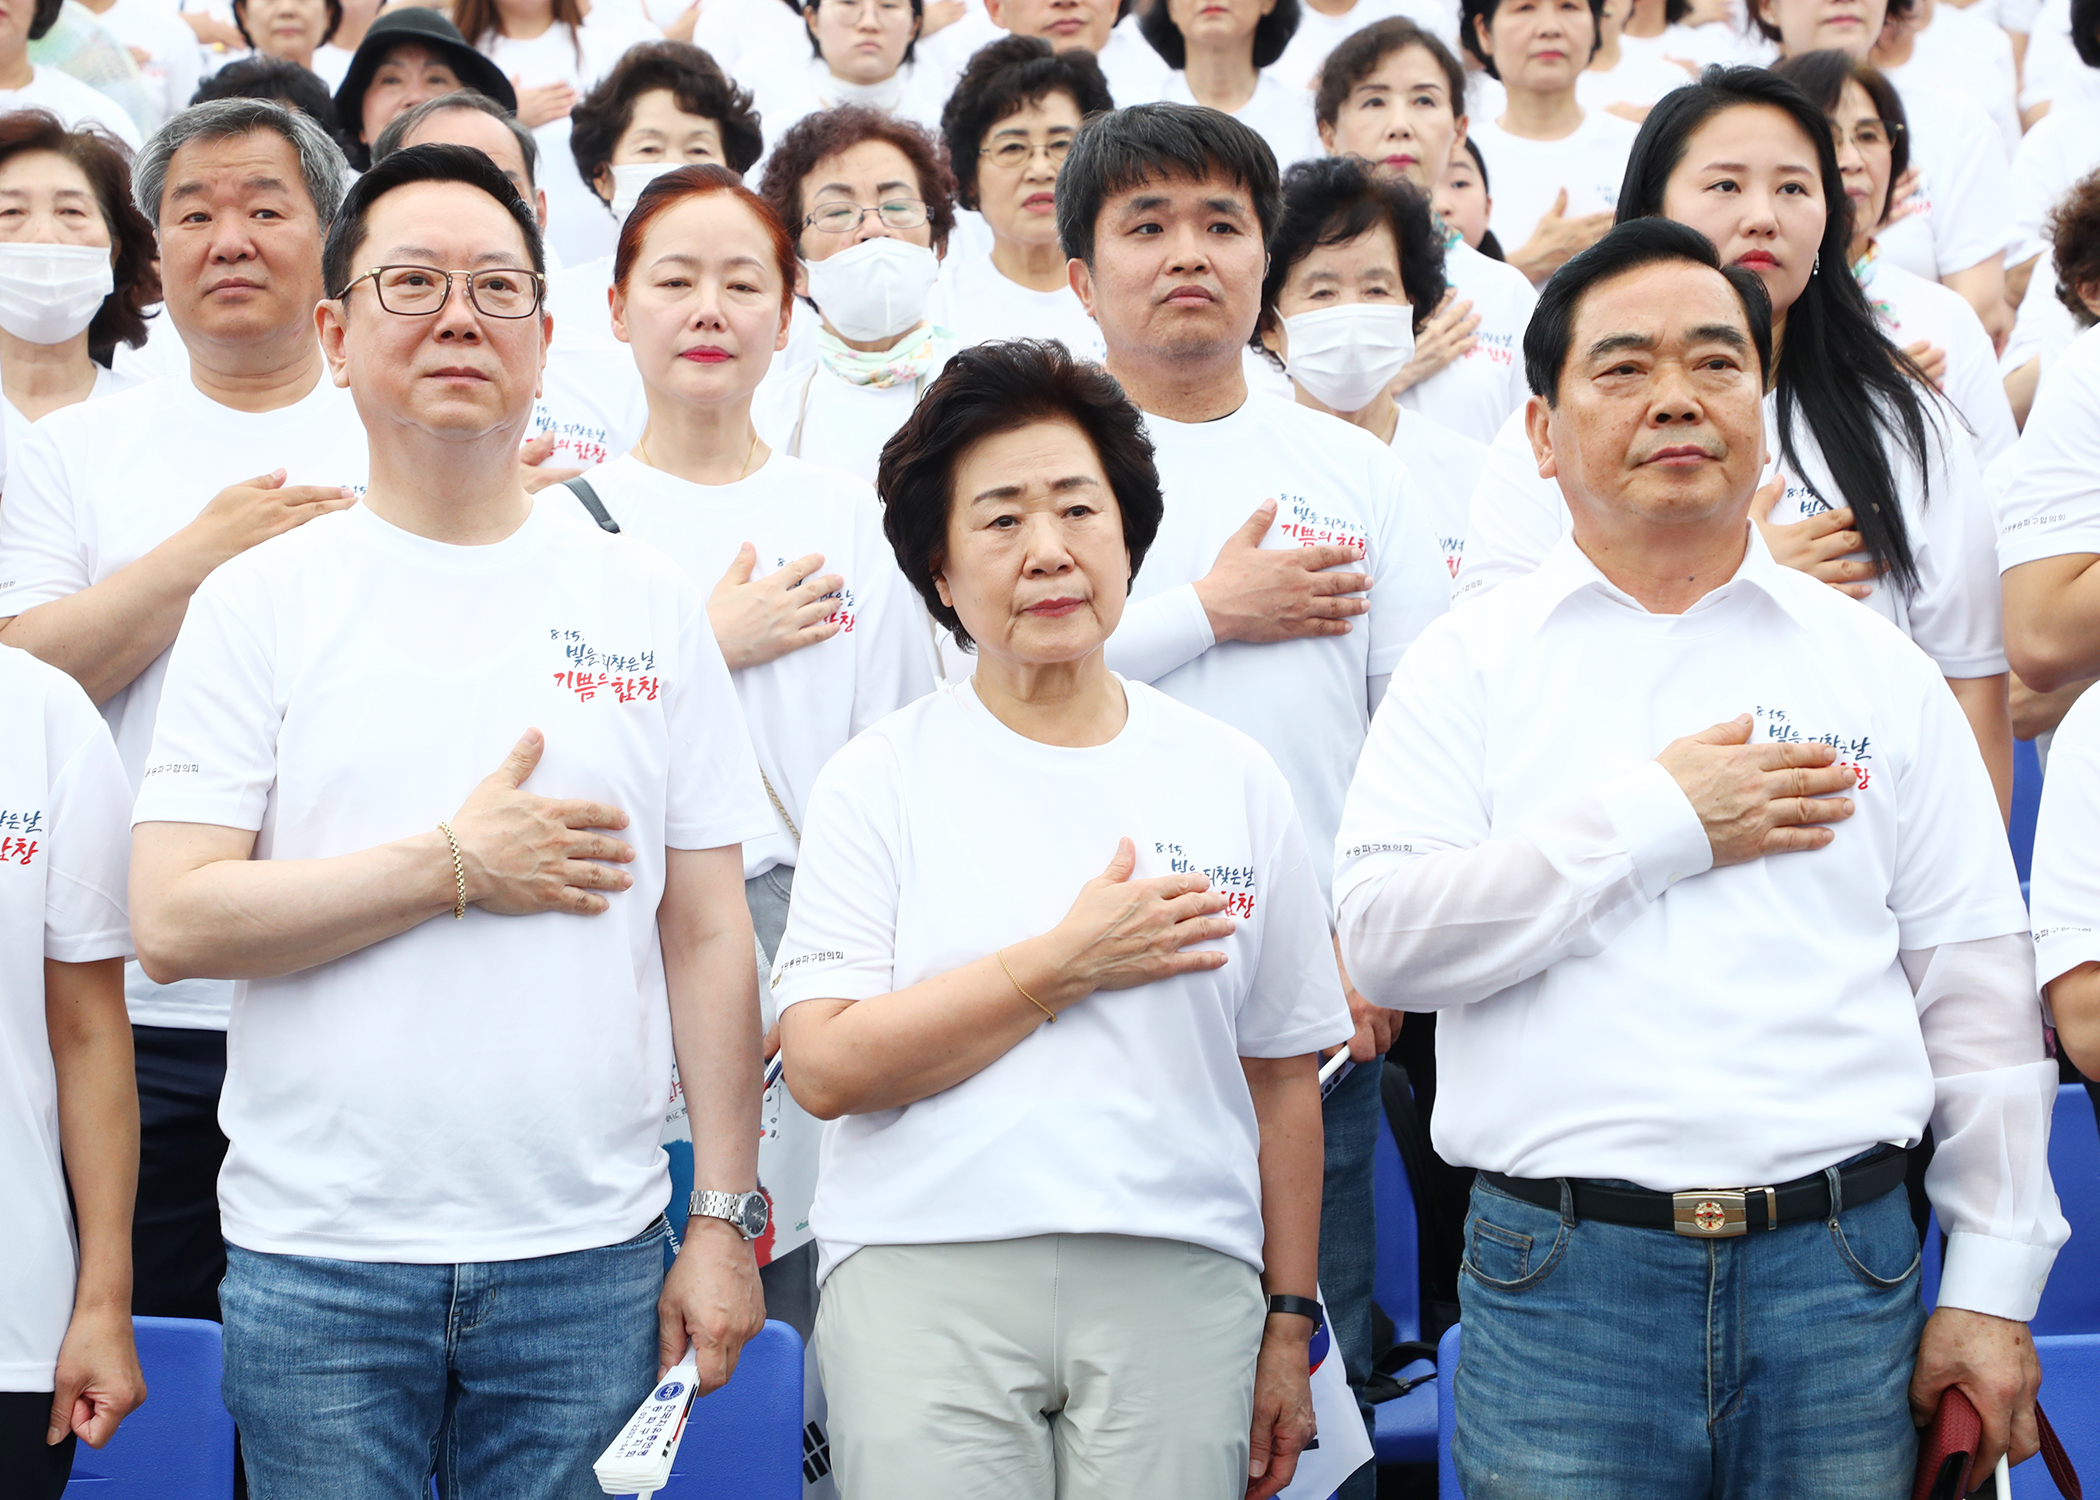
871	206
460	998
117	509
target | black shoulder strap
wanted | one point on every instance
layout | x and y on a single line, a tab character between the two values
582	490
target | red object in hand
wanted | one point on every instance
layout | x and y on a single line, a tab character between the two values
1947	1449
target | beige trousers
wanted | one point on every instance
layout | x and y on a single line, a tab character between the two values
1057	1367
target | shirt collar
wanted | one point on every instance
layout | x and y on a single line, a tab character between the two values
1568	571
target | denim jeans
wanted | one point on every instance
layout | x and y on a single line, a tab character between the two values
356	1380
1601	1359
1349	1235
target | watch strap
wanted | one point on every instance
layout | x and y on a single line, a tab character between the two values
1304	1307
710	1203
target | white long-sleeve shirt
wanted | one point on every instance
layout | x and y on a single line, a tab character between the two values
1512	855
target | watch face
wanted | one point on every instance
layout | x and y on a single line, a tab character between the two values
754	1215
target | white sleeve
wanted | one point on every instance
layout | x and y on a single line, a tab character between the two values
2032	191
1971	216
2066	882
1158	634
1515	517
841	937
1993	1094
715	796
214	755
87	828
43	555
894	661
1978	392
1409	583
1956	617
1293	1004
1437	908
2051	504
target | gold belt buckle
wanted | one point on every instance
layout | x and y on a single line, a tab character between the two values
1711	1215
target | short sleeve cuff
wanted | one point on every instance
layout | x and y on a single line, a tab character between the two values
748	828
1662	834
1315	1036
88	947
158	805
2045	536
1973	664
2059	950
2002	1278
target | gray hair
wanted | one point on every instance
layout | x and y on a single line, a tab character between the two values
321	163
401	126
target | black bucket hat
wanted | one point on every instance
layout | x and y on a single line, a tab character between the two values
426	28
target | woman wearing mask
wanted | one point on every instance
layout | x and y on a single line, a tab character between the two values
76	266
871	206
1008	126
1221	52
1929	322
1881	494
298	31
1354	266
862	52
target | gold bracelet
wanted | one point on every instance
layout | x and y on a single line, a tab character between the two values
459	873
1000	954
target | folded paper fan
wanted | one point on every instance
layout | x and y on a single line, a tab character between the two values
639	1460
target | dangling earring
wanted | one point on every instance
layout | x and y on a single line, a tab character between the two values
1817	268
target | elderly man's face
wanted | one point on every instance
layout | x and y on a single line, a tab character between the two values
240	242
1035	564
1658	423
1177	269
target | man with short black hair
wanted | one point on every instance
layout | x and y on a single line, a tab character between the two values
444	1196
1260	620
1709	981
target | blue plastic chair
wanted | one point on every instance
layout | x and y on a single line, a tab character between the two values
1447	1418
1406	1425
2071	1301
2071	1394
2026	805
179	1445
744	1442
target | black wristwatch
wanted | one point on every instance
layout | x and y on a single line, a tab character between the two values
1304	1307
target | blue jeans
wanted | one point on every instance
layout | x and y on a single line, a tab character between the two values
1644	1365
1349	1236
356	1380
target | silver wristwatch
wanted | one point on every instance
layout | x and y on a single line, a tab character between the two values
747	1211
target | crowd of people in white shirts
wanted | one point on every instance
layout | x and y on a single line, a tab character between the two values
1254	332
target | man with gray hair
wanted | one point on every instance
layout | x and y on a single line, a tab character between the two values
117	510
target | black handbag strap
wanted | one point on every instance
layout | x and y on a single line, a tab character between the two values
582	490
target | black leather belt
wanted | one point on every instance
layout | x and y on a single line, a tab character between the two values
1714	1213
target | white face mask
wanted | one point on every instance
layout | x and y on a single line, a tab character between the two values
1344	356
876	290
48	293
628	182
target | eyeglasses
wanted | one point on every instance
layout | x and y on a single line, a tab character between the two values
418	291
1015	154
1872	135
844	218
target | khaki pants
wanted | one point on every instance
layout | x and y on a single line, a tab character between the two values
1057	1367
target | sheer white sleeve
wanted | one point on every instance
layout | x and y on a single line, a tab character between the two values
1994	1092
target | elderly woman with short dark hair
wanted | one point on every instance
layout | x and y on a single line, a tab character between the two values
1057	969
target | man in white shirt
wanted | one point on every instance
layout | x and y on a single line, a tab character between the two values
1166	211
444	1194
1702	979
117	509
2049	527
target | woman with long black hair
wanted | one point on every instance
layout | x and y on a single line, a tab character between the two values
1882	496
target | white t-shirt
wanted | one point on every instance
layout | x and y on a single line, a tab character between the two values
1960	52
1517	518
97	486
1527	175
977	302
1910	308
1640	79
2062	148
490	1089
107	383
1136	73
728	29
75	104
1305	701
592	400
1446	465
174	61
579	299
788	84
800	707
1319	34
2051	501
64	850
805	410
1476	393
1130	1115
1961	217
1277	112
2065	889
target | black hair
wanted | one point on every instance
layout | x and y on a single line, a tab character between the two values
1755	13
43	18
2085	31
1837	372
987	390
911	48
1358	55
693	78
1114	153
1330	200
1003	78
1483	11
1272	33
277	79
434	161
335	22
1629	247
1489	245
1822	76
